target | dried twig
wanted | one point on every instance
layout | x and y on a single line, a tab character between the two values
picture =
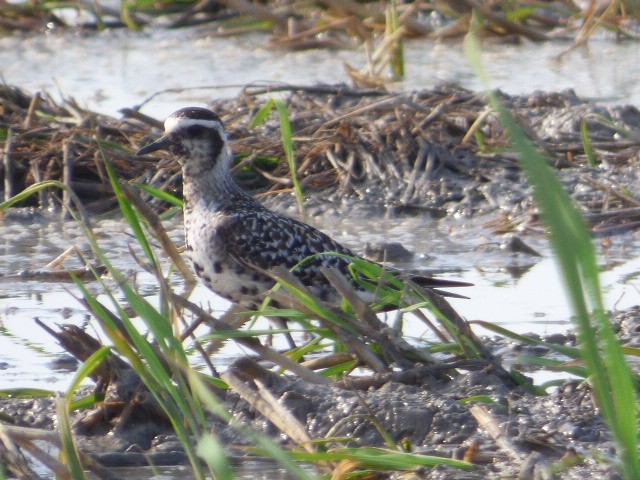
252	344
25	437
264	401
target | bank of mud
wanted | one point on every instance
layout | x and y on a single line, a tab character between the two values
508	432
438	152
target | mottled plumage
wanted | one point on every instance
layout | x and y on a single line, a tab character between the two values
231	238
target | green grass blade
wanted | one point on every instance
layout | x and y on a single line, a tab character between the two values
262	114
128	212
126	15
586	142
160	194
26	393
85	370
68	450
570	352
184	418
383	459
88	401
552	364
609	373
211	450
392	25
287	143
339	370
29	191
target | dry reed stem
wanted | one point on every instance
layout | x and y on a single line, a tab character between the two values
24	437
265	403
253	344
328	361
497	431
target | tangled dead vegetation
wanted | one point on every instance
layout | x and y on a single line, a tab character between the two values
440	151
337	23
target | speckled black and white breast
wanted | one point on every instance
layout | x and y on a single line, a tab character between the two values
207	246
232	246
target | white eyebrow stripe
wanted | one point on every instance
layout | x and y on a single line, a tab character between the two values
174	123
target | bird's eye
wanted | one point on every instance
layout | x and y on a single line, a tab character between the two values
195	130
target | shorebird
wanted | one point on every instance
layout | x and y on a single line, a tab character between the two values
232	239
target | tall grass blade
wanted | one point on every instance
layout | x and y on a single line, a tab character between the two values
383	459
211	450
392	25
26	393
85	370
160	194
610	375
128	212
151	367
69	450
262	114
150	362
570	352
287	143
30	191
126	16
586	142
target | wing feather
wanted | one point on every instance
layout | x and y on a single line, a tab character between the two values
261	240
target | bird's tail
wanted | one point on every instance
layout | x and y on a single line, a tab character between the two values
436	284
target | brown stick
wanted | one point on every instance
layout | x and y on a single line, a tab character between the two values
487	421
264	401
253	344
161	234
28	121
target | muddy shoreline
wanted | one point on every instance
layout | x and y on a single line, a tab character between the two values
436	153
536	433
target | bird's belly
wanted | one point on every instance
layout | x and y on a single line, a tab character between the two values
227	278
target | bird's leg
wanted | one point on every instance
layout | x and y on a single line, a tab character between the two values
280	323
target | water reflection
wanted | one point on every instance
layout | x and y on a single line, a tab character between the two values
141	64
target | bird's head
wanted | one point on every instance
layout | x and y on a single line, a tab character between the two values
196	136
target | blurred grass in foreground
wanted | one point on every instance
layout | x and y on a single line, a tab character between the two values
607	369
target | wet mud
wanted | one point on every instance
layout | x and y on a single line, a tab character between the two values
439	153
538	434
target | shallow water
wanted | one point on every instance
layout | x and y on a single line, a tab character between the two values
137	65
531	301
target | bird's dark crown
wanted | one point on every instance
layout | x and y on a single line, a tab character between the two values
196	113
192	133
194	123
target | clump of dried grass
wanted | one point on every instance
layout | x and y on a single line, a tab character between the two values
428	150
